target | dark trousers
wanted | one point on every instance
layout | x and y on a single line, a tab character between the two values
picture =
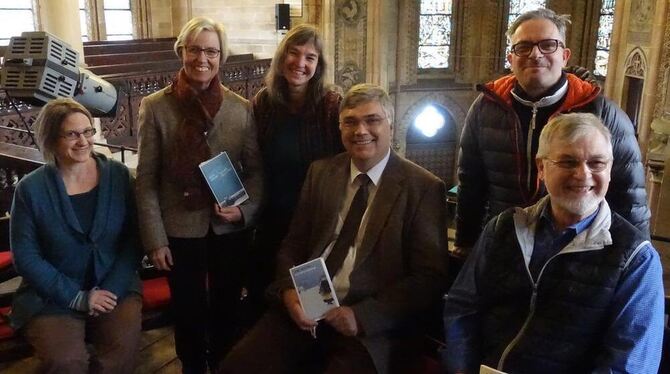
276	345
206	283
269	235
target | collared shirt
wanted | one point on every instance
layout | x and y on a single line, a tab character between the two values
341	279
631	345
549	242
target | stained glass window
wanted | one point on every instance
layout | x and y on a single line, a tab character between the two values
434	34
16	16
516	8
605	24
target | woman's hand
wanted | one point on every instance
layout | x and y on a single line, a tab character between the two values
100	301
228	214
162	258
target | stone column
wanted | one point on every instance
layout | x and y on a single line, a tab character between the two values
61	18
182	11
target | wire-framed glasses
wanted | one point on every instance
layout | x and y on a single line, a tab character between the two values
74	135
194	51
596	165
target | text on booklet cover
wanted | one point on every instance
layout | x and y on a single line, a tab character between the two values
223	180
314	288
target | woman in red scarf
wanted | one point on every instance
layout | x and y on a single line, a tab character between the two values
201	245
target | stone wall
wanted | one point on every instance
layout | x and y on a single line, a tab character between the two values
250	24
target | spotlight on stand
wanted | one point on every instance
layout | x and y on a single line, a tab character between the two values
38	67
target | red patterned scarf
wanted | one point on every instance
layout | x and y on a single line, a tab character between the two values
190	147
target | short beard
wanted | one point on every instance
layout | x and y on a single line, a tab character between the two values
581	207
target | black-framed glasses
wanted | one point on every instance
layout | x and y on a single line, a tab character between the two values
195	51
74	135
370	122
545	46
595	165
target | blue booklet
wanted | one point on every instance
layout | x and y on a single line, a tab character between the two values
223	180
314	288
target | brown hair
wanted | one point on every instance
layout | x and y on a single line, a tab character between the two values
49	122
277	87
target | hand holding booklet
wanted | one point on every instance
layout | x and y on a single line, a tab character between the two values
314	288
223	180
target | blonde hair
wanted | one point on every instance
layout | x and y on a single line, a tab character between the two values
194	27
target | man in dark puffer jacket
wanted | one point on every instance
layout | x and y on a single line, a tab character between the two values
563	286
497	157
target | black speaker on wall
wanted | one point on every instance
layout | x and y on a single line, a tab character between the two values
283	16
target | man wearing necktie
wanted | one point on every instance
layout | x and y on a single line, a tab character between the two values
380	223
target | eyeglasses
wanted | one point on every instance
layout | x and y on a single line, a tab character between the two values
546	47
371	122
194	51
596	165
74	135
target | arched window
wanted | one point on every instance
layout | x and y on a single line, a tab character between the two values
435	26
431	141
16	16
605	24
516	8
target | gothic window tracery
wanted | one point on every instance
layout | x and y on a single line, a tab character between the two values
435	29
604	39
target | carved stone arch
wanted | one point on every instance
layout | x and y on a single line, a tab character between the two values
403	124
636	63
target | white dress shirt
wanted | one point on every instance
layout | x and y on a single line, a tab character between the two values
341	279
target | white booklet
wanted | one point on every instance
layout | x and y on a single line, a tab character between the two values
314	288
223	180
483	369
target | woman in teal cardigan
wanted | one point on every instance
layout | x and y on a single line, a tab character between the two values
74	242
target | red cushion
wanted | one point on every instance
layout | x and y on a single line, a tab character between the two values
156	293
5	259
6	332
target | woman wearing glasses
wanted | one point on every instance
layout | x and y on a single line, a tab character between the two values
297	119
201	245
74	241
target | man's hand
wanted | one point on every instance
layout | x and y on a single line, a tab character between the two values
100	301
343	320
292	304
162	258
228	214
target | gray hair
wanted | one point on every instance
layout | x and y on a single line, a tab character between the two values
560	20
570	127
364	93
50	121
194	27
